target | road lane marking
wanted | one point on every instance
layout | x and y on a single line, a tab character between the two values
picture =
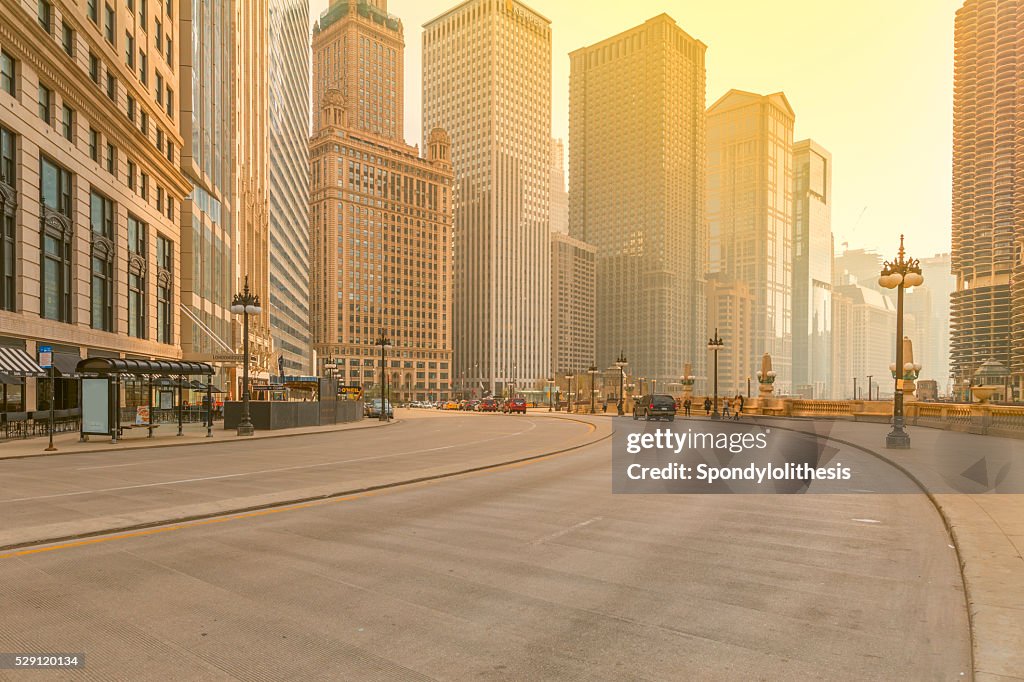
865	520
566	531
297	467
345	497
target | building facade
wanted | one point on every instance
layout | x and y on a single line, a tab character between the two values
380	224
573	293
750	214
559	195
731	312
90	188
636	192
288	183
865	333
206	86
487	81
812	270
987	308
939	280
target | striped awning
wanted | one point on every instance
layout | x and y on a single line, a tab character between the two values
18	363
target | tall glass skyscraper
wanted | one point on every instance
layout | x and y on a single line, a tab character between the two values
288	124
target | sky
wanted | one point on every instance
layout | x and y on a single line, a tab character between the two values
871	81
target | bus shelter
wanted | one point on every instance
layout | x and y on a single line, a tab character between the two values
101	386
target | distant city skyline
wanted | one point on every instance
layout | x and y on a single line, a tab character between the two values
883	105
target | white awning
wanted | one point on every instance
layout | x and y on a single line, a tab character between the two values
18	363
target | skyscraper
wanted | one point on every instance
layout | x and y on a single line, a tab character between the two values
750	214
987	308
206	97
636	192
572	304
288	177
487	81
380	216
812	270
935	354
559	197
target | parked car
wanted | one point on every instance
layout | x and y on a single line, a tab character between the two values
451	405
374	408
487	405
655	407
516	406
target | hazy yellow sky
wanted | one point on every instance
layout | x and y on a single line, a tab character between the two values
870	80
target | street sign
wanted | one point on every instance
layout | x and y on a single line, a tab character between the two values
227	357
46	357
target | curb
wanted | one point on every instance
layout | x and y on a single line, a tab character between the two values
205	441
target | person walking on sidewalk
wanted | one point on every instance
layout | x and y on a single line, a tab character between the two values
737	407
707	407
686	407
725	408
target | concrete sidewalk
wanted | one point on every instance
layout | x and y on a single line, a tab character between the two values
164	436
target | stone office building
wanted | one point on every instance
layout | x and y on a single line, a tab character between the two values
90	188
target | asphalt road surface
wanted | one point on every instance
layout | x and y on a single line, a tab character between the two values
525	572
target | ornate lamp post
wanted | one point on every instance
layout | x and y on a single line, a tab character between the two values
245	304
716	344
621	363
899	274
687	380
872	376
551	393
385	343
593	371
568	390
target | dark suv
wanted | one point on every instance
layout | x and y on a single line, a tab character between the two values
655	407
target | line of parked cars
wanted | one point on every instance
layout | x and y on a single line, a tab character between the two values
509	406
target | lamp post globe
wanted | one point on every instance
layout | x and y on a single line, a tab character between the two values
621	362
900	273
245	304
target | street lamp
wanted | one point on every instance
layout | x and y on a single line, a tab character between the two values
748	388
870	377
245	304
621	364
716	344
385	343
593	378
899	274
568	379
551	393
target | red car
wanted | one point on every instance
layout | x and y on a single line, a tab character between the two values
487	405
516	405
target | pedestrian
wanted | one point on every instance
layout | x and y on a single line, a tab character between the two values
707	406
737	408
725	408
686	407
606	406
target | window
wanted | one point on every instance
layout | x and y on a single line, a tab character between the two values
143	67
69	40
144	186
159	139
170	207
159	35
93	12
130	175
170	151
165	273
109	23
101	218
111	87
160	199
129	50
7	244
94	145
45	104
170	9
45	14
94	68
55	196
170	102
130	109
136	278
159	89
111	159
143	11
169	52
144	124
67	122
6	73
